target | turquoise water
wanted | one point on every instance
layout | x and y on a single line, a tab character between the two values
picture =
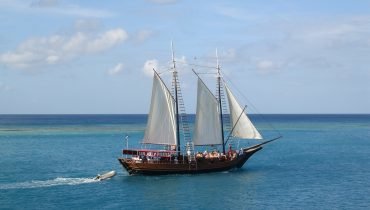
48	161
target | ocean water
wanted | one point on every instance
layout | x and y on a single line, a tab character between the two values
48	162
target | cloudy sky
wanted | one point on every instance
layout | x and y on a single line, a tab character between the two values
282	56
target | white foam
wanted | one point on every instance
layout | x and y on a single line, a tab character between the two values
47	183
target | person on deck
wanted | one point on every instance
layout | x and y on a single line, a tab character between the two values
230	152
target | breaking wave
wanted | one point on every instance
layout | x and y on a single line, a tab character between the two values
47	183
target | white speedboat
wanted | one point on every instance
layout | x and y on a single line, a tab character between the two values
105	176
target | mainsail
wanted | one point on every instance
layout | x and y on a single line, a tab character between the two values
207	129
242	126
161	127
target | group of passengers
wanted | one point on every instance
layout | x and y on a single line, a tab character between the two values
215	154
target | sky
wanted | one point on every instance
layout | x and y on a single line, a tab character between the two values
96	57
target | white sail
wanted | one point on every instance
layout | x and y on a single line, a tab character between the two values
243	127
207	130
161	127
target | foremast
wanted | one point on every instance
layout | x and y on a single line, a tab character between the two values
175	79
220	103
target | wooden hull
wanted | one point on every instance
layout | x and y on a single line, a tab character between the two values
185	167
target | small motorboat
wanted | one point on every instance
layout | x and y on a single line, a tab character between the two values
105	176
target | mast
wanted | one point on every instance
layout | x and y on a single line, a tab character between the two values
219	103
176	101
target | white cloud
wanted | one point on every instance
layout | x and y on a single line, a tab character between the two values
116	69
57	48
149	65
76	43
181	66
107	40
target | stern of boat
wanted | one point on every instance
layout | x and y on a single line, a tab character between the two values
125	162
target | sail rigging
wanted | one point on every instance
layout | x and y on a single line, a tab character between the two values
242	125
207	122
161	126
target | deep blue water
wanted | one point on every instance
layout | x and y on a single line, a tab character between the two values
48	161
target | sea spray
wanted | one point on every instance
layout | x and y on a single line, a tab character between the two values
47	183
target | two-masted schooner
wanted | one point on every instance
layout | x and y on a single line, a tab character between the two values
163	128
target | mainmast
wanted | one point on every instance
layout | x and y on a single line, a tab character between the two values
219	103
176	101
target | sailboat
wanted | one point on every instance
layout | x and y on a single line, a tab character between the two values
163	128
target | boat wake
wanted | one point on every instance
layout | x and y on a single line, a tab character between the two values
47	183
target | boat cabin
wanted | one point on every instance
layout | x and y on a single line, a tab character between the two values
140	155
149	153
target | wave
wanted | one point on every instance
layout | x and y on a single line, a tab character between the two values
47	183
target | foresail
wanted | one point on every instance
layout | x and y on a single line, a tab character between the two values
207	129
243	127
161	127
